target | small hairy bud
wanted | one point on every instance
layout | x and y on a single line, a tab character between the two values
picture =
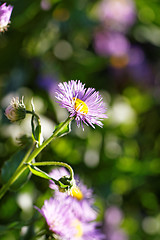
16	110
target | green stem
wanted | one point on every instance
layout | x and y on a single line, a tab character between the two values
33	113
56	164
45	143
16	174
28	158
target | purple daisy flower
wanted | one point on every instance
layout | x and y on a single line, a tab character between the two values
5	14
62	221
86	231
80	197
84	104
82	192
58	216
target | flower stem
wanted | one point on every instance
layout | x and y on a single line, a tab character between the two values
16	174
45	143
56	164
29	157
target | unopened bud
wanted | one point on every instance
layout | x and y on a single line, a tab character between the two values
16	110
65	184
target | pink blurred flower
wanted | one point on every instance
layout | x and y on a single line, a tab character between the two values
118	15
113	216
5	14
108	43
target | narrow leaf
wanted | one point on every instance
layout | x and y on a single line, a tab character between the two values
65	130
38	172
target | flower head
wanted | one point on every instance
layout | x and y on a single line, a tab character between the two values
63	222
58	216
79	196
5	14
84	104
79	190
16	110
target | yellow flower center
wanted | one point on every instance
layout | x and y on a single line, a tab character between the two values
76	193
80	105
78	226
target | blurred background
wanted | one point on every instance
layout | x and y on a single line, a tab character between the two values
113	46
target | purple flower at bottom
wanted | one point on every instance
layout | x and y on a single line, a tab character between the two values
80	197
84	104
58	217
5	14
62	221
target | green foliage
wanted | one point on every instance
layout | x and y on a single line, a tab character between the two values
121	161
10	167
66	129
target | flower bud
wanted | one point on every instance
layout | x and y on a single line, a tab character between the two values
65	184
16	110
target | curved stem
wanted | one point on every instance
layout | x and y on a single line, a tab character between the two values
33	113
56	164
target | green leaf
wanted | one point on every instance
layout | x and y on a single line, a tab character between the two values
10	167
36	130
14	226
66	129
38	172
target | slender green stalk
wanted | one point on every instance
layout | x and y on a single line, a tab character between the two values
33	113
56	164
16	174
45	143
30	157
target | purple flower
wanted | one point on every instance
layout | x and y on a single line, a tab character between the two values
113	216
5	14
117	14
58	216
111	44
112	224
80	197
81	192
84	104
86	231
62	221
